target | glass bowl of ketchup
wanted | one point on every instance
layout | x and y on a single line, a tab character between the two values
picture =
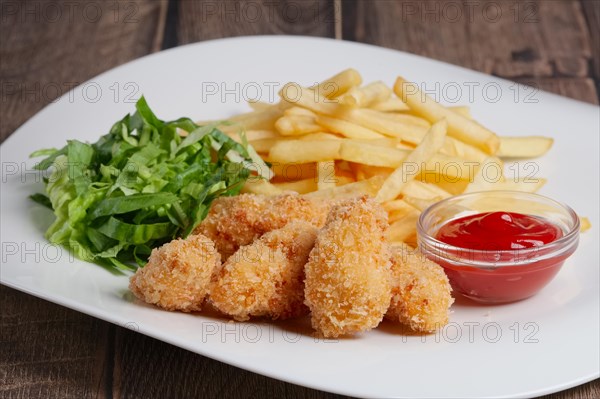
498	246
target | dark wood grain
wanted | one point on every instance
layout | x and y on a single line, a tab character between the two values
45	51
507	38
49	351
591	10
205	20
590	390
514	40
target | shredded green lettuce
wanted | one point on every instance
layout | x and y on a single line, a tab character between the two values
139	186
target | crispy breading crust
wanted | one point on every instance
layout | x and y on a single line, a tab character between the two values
347	285
266	278
177	274
236	221
420	291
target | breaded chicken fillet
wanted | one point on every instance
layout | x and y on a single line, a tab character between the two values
266	278
236	221
177	274
420	291
347	285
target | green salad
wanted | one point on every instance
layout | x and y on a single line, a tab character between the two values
142	184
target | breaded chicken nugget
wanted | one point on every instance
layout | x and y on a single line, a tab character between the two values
347	285
266	278
177	274
420	291
236	221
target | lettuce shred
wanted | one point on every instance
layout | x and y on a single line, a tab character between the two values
139	186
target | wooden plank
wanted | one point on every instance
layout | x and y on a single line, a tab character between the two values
47	50
208	19
148	368
591	10
48	351
591	390
507	38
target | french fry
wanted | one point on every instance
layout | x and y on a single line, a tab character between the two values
299	96
488	175
326	175
450	186
585	224
462	110
363	172
343	180
404	229
418	189
343	166
300	186
346	128
384	142
369	154
393	128
421	203
457	148
296	125
339	83
366	95
412	164
459	127
450	168
402	118
524	147
304	151
364	187
288	171
392	104
319	136
296	95
298	111
339	140
254	120
257	120
260	105
252	135
397	209
265	145
260	186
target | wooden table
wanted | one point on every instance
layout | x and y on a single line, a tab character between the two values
48	351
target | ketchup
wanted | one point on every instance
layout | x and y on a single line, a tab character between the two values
498	231
512	244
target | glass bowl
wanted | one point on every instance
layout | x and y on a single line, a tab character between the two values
498	276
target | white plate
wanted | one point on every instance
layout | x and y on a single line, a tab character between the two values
545	344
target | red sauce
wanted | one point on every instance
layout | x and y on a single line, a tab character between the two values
524	269
498	231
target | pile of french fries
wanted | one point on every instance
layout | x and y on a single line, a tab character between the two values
341	139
